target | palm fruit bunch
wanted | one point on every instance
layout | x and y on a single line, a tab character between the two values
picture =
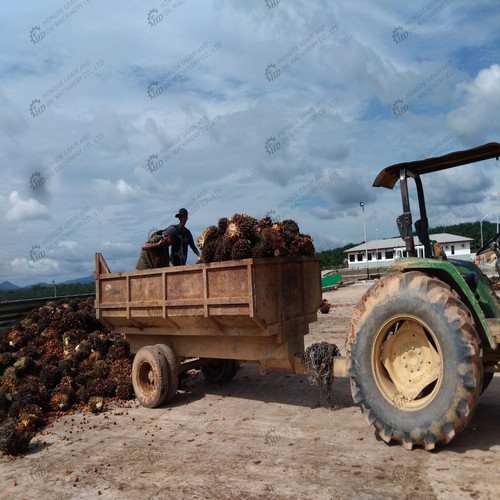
57	358
242	236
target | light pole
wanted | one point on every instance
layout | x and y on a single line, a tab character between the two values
376	245
481	227
54	283
362	205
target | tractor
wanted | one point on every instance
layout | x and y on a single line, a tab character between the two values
423	342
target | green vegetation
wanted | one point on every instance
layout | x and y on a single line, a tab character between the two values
40	291
333	259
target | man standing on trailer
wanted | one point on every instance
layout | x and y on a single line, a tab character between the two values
185	240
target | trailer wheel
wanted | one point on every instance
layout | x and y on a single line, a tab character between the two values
173	370
221	370
150	376
415	367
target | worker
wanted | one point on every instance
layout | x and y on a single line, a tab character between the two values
154	253
185	240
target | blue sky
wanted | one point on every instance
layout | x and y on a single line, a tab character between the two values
115	115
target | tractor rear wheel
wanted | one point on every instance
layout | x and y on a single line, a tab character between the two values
414	360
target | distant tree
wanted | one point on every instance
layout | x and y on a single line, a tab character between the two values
334	258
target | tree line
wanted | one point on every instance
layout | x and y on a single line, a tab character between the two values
41	291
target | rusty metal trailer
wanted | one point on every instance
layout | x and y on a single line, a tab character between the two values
212	316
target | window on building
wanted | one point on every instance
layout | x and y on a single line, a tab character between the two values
452	249
389	255
351	257
360	257
370	256
379	256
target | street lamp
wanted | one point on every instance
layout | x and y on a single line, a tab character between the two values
481	227
54	283
362	205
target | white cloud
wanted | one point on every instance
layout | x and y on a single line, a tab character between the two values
478	117
30	209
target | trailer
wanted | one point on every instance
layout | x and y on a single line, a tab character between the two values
210	316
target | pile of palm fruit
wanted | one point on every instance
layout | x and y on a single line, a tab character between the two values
57	358
242	236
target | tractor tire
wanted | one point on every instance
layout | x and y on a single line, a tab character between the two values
221	370
150	376
414	360
173	370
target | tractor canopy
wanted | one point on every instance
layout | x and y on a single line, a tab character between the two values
390	175
402	171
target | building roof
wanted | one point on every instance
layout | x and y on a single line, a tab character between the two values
391	243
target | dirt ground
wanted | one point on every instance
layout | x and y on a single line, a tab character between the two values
254	437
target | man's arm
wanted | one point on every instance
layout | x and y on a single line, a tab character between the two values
192	245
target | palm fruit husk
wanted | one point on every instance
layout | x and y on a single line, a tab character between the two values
244	226
14	439
97	404
209	234
223	249
302	245
208	251
242	249
222	225
290	230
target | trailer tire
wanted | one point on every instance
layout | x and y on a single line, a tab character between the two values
221	370
150	376
404	322
173	370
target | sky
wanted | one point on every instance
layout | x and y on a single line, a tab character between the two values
116	114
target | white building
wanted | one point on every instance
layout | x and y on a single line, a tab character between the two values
382	253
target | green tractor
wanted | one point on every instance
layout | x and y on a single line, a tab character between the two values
423	343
